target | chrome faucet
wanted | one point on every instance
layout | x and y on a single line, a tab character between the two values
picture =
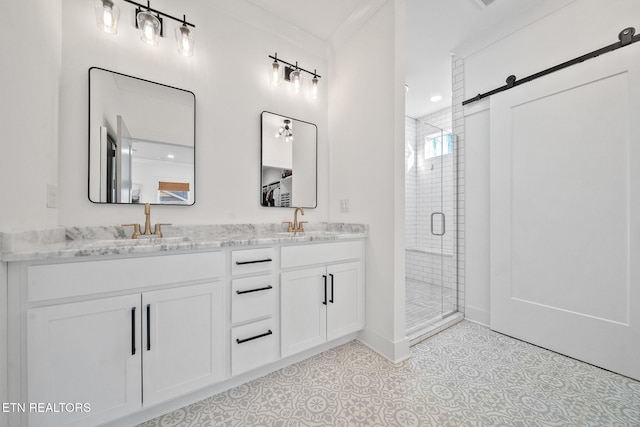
157	231
296	227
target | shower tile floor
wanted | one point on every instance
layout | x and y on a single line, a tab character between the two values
424	303
466	375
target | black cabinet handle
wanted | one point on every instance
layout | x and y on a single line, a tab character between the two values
239	341
253	262
324	278
331	300
254	290
133	331
148	327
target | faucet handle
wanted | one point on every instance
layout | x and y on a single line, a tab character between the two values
158	229
290	225
136	230
300	226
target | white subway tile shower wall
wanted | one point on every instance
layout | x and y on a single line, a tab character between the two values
410	182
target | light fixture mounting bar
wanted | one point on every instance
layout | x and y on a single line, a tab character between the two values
294	66
141	6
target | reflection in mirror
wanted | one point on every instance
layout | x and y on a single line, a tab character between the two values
289	162
141	141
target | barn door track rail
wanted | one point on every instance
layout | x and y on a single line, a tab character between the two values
626	37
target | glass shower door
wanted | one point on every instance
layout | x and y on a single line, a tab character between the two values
431	261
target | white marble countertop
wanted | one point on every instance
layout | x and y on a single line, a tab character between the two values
70	242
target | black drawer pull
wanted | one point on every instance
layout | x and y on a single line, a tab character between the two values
331	300
253	262
254	290
133	331
148	327
324	279
239	341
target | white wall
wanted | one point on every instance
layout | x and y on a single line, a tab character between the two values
580	27
367	164
228	75
477	216
29	78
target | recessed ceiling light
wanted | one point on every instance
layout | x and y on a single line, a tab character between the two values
436	98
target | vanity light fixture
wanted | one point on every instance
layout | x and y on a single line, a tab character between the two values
107	14
292	73
149	21
286	131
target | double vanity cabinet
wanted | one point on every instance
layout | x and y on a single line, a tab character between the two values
111	338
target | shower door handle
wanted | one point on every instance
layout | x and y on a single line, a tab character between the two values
444	226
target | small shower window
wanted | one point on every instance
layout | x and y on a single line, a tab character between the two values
438	144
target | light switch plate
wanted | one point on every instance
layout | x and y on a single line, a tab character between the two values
52	196
344	205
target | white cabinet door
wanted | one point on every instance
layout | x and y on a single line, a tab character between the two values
86	352
182	341
303	310
345	313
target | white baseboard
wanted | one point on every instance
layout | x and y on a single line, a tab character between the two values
477	315
395	352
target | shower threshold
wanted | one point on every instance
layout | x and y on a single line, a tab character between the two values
419	334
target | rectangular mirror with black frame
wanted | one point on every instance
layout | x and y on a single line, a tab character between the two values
141	141
289	162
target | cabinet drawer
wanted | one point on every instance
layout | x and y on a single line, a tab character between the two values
92	277
253	298
322	253
252	261
253	345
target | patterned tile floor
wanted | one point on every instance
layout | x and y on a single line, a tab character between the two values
465	376
424	303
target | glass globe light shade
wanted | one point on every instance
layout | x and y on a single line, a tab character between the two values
149	26
107	15
296	80
275	74
184	37
314	88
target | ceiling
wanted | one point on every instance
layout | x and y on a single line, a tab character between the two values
433	29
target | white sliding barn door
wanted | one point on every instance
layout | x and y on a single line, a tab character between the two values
565	211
